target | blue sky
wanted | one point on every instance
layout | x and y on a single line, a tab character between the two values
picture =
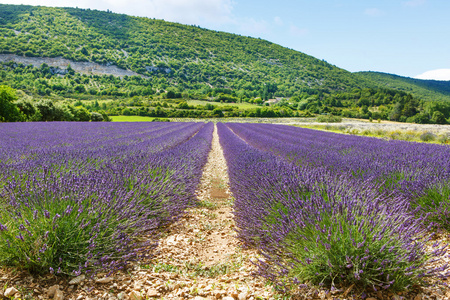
405	37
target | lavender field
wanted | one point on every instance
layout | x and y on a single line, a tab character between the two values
89	197
334	210
323	209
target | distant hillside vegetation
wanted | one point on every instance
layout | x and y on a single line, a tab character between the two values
185	55
429	90
115	64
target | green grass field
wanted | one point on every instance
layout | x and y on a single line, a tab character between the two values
131	119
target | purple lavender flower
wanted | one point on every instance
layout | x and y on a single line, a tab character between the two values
3	227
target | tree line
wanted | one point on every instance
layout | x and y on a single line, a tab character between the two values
23	110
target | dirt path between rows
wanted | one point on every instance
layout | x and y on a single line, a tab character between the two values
198	257
205	259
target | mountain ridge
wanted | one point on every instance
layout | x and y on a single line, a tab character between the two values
427	89
140	44
183	62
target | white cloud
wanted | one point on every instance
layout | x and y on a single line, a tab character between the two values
296	31
374	12
183	11
278	21
439	74
414	3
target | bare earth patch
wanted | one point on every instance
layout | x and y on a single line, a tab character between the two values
202	246
62	63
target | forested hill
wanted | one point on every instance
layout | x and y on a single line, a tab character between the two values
155	68
185	55
430	90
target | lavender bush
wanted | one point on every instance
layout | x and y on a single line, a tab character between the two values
320	210
431	200
83	197
348	239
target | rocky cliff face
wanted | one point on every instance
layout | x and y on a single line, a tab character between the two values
58	65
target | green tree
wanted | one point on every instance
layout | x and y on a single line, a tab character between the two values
9	112
126	112
396	112
217	112
105	116
64	113
46	109
438	118
80	89
170	94
183	105
421	118
209	106
27	109
82	114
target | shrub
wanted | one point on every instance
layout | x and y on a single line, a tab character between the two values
353	131
433	202
105	116
340	240
71	231
160	120
366	132
428	137
96	117
395	135
329	119
444	139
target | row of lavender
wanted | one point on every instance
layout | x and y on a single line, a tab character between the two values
82	196
333	210
417	171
